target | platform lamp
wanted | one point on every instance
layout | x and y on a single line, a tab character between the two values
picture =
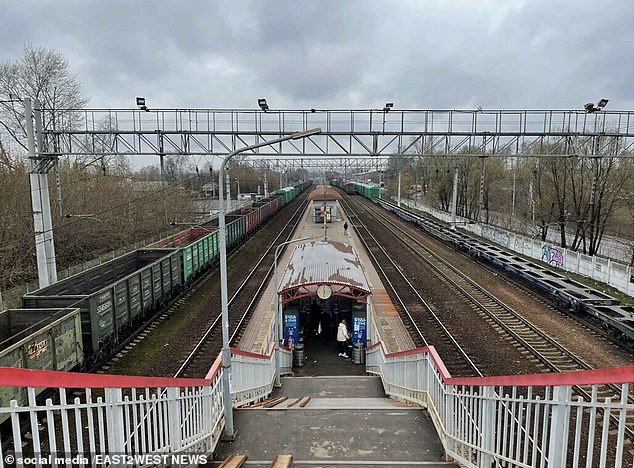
140	102
591	108
263	105
222	245
277	333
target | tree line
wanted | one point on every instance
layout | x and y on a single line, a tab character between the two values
582	199
102	203
99	203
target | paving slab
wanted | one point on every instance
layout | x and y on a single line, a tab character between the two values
347	422
344	437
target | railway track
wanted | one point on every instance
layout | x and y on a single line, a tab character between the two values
591	323
539	345
241	304
412	307
586	320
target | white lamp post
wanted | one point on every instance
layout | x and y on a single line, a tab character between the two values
222	232
277	333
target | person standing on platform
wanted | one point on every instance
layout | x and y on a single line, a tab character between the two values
342	338
323	328
345	228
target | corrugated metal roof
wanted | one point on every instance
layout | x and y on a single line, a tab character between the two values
324	262
323	192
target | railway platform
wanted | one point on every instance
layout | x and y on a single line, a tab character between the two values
257	336
400	407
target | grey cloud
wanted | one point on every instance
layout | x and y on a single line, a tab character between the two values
329	53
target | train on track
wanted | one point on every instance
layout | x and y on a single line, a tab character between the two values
80	321
566	293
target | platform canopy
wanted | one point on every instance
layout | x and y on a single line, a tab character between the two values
325	269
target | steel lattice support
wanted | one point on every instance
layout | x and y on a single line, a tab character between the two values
360	137
351	141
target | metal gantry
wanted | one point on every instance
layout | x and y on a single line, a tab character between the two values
362	138
351	141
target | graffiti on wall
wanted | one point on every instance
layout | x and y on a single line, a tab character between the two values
553	256
520	244
497	235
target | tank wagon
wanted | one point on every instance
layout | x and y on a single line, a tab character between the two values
48	339
112	299
566	293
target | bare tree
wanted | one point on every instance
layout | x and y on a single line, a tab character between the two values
176	167
42	74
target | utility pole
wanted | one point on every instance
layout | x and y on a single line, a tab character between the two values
454	198
513	199
228	190
266	182
481	197
40	201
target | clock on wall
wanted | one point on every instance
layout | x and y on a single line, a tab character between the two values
324	291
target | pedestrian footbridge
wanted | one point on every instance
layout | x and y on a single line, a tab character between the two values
400	409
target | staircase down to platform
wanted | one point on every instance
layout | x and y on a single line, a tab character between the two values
334	421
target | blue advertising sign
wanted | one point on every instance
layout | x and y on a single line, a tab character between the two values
359	325
291	328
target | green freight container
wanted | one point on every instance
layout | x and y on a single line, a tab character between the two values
43	339
288	193
236	231
367	190
111	295
196	249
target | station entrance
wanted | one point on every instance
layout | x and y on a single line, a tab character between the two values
324	286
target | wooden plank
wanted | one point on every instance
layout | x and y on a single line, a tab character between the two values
300	402
304	401
268	403
283	461
275	401
234	461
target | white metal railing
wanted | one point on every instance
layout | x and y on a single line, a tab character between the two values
608	271
253	374
515	421
122	418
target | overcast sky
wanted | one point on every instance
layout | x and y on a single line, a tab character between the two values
419	54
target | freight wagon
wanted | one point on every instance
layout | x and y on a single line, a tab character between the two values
566	293
47	339
288	193
113	298
114	295
198	249
235	225
367	190
349	188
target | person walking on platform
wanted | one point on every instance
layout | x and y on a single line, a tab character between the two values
342	338
345	228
